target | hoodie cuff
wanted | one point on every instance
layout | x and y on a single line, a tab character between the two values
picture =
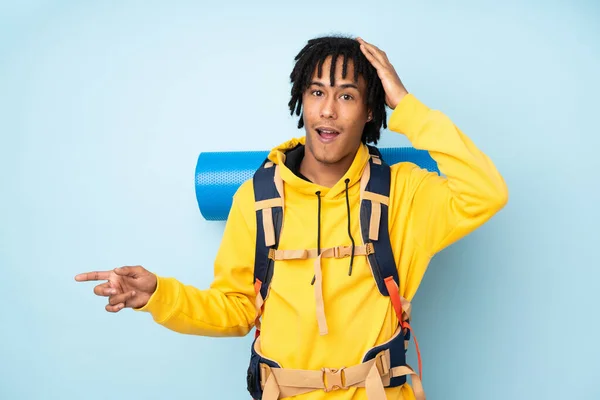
408	116
164	299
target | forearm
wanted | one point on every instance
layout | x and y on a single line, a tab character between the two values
187	309
474	182
471	190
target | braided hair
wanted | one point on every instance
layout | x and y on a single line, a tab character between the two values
313	56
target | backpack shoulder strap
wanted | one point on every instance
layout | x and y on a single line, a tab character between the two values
268	202
375	197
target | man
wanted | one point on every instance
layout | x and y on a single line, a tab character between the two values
325	308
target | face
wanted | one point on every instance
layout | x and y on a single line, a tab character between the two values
334	117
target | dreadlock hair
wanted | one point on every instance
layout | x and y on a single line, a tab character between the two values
313	56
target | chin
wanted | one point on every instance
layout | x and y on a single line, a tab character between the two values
325	154
328	157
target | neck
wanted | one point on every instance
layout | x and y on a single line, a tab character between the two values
322	173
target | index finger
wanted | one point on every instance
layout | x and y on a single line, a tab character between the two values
93	276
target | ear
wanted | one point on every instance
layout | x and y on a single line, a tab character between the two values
369	116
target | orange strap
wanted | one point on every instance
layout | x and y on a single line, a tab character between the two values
258	304
394	293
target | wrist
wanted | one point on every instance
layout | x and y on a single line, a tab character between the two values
408	117
402	93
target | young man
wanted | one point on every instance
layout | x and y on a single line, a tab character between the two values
331	324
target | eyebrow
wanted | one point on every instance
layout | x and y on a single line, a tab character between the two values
342	86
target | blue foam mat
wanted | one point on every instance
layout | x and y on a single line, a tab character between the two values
220	174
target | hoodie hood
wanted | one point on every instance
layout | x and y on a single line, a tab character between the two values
278	156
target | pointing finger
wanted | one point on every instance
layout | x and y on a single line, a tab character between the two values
93	276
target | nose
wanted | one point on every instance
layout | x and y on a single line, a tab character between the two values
328	110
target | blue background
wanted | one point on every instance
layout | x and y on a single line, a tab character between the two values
105	106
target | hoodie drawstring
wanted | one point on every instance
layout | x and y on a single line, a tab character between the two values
318	193
317	279
349	227
319	223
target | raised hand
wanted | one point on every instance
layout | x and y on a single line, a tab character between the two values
125	286
393	86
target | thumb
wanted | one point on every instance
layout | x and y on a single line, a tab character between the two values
127	271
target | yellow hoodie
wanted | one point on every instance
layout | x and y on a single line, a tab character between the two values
427	212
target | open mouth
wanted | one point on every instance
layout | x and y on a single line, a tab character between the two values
327	134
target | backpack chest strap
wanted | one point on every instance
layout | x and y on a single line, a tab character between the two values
330	252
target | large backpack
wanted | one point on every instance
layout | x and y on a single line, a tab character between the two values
375	192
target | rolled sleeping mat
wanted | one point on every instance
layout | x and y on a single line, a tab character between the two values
220	174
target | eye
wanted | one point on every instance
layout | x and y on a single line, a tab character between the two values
347	97
316	93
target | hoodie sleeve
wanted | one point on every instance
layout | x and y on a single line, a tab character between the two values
226	308
445	208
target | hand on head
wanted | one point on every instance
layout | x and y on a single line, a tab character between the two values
393	86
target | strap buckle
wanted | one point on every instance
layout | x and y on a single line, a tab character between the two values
382	362
265	371
342	251
334	379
